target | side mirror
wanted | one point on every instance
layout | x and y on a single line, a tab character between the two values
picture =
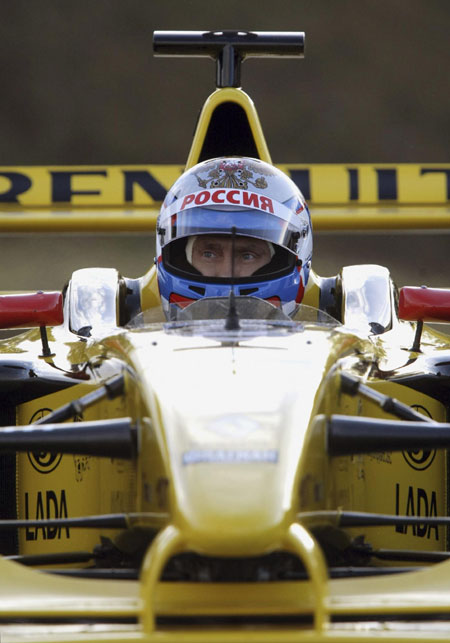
424	304
31	309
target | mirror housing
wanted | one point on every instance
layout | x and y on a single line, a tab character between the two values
31	309
424	304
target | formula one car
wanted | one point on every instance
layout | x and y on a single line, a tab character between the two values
225	471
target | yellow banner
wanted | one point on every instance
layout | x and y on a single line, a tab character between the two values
146	185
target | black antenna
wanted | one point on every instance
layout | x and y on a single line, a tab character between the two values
232	320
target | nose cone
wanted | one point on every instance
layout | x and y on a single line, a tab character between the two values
232	497
235	420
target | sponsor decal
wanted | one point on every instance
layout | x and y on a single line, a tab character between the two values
416	502
46	505
162	493
43	461
82	464
230	456
147	491
148	184
233	426
371	184
420	459
35	186
381	457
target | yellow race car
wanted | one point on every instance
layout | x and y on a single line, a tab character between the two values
203	455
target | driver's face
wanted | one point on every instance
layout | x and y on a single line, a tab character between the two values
212	255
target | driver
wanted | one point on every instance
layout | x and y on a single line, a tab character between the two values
235	223
218	256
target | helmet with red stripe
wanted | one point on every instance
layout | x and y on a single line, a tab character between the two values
247	208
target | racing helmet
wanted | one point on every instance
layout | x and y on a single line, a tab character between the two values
242	198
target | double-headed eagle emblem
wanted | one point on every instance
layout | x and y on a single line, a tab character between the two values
234	174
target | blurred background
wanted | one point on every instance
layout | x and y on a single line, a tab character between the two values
80	86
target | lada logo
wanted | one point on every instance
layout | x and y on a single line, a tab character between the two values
420	459
43	461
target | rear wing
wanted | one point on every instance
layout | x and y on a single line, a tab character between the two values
127	198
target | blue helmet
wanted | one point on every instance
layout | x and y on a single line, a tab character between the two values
242	198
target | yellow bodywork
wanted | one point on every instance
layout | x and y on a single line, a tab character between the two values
58	486
332	608
179	496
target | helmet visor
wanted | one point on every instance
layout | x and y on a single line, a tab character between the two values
271	221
